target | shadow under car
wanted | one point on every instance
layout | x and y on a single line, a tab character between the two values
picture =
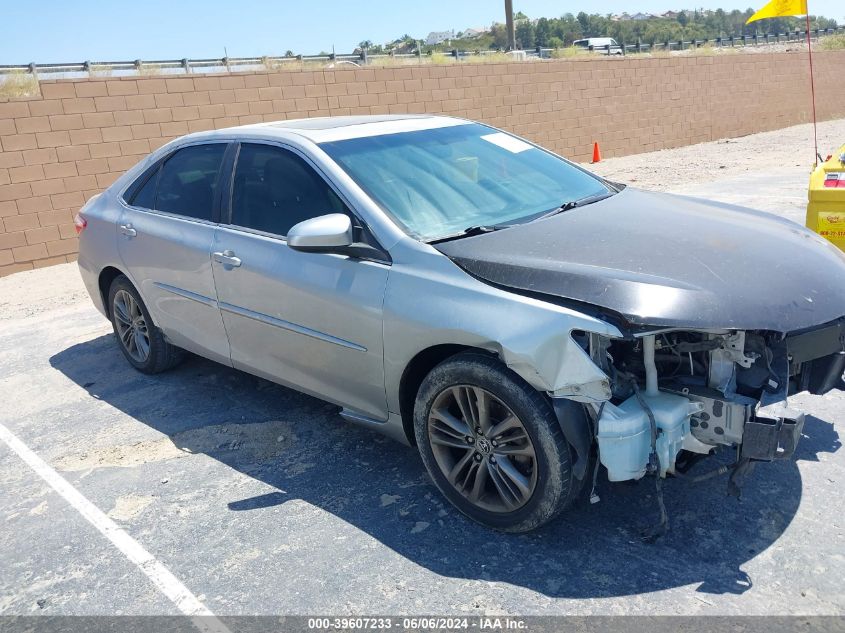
590	551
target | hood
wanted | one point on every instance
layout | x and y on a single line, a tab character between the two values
668	261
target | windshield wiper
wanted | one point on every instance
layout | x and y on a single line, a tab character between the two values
571	204
470	231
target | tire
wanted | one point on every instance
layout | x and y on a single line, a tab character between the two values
132	324
526	471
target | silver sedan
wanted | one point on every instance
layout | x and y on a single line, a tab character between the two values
520	320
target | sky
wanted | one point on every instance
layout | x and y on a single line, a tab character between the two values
52	31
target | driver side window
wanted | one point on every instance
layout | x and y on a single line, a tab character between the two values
274	189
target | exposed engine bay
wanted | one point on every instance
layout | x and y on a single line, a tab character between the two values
696	391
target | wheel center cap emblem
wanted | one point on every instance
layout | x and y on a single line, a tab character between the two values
484	446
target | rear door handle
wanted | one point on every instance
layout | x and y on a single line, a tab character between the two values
227	258
127	230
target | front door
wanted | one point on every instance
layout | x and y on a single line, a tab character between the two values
312	321
164	238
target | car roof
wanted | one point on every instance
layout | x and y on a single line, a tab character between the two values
336	128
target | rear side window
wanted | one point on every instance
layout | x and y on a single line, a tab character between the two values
275	189
145	197
186	183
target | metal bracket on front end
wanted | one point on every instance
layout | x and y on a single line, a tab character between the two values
772	434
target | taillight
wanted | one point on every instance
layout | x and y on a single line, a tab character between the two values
79	223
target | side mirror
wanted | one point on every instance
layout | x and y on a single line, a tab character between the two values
323	234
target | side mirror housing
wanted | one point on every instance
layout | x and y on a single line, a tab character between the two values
324	234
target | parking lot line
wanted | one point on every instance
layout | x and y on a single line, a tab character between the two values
159	575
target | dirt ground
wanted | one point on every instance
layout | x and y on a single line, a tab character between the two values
674	169
263	501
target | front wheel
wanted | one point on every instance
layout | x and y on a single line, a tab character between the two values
492	444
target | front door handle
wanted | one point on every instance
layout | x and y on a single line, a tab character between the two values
227	258
127	230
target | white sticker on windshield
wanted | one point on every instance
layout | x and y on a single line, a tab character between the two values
513	145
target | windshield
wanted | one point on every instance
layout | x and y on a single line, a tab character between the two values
440	182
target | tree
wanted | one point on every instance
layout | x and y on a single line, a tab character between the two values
624	31
525	34
500	36
584	21
543	32
567	28
683	18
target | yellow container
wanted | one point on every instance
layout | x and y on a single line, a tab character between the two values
826	199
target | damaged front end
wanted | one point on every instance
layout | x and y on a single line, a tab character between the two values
696	391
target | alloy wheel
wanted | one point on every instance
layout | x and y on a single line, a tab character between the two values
132	329
482	448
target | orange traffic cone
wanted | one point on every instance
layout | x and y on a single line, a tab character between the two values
596	153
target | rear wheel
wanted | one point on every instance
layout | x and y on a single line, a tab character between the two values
492	444
141	342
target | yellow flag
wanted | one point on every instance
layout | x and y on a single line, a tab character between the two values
780	8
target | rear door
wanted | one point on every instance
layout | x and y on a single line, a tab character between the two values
164	239
312	321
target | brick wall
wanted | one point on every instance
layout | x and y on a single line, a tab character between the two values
61	148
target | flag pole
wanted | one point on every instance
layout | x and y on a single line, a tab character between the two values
812	91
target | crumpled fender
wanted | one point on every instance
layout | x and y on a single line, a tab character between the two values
532	337
557	365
